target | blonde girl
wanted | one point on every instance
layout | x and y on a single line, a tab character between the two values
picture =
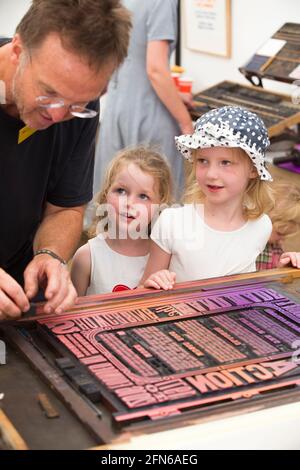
137	183
223	227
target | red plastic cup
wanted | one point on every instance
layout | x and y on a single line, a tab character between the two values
176	77
185	84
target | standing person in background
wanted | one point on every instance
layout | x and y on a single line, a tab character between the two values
143	104
53	71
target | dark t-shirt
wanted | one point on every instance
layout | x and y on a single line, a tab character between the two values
53	165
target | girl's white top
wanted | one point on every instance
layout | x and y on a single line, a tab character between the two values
200	252
111	271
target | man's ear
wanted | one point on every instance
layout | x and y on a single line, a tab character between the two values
17	49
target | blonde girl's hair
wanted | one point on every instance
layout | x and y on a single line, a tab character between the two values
258	197
148	160
285	215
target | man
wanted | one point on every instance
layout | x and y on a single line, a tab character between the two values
53	72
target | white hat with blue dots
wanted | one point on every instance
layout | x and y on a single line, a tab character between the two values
229	126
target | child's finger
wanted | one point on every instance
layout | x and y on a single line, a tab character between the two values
169	277
295	259
162	281
289	256
166	279
284	261
150	283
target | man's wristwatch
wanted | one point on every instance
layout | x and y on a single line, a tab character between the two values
44	251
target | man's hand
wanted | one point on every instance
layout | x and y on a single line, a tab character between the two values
291	257
47	272
163	279
13	300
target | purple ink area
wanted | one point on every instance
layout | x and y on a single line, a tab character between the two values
289	166
203	344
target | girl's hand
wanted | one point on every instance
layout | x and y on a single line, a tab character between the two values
163	279
187	98
291	257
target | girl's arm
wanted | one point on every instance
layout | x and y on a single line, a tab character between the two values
158	71
81	269
156	273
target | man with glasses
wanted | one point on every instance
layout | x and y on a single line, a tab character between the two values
52	73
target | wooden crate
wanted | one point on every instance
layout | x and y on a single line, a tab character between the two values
284	66
277	110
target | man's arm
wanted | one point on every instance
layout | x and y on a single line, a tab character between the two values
59	232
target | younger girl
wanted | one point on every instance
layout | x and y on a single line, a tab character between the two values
285	217
136	182
222	228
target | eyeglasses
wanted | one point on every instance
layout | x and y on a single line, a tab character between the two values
74	109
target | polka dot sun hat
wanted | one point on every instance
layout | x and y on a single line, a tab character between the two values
229	126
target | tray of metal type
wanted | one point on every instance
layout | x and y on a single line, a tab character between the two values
150	361
277	110
278	59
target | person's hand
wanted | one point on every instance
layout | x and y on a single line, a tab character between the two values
291	257
187	127
13	300
187	98
163	279
47	272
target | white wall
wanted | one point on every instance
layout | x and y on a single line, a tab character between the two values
253	23
11	11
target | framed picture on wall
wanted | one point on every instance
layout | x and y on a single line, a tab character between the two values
207	25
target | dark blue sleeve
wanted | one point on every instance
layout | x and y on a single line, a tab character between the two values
71	180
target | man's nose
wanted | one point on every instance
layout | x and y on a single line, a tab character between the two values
58	114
